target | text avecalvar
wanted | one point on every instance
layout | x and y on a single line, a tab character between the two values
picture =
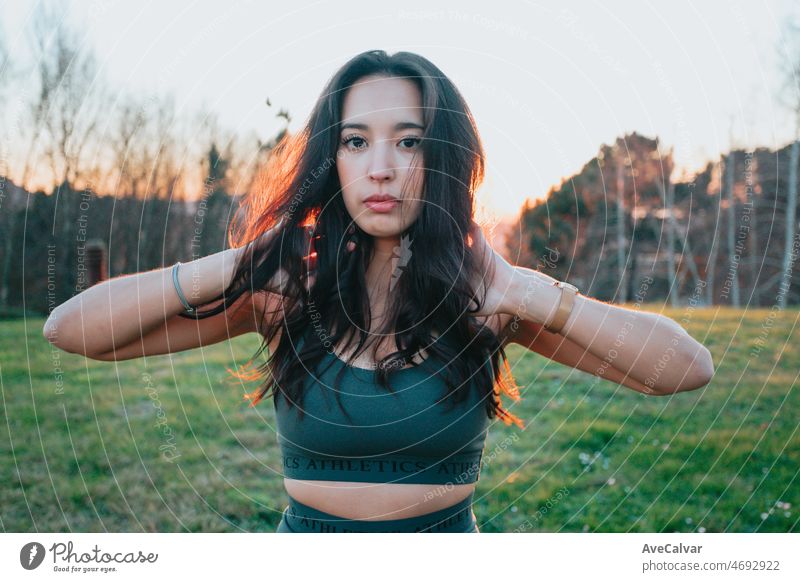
671	549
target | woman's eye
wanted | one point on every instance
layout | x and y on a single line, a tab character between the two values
358	143
354	141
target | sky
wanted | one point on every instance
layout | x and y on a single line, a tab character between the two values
546	83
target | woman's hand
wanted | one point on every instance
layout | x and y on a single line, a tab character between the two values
495	275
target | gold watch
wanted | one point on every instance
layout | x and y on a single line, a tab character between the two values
565	303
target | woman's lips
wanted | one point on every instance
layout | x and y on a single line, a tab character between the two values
382	205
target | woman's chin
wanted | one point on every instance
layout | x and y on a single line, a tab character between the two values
383	227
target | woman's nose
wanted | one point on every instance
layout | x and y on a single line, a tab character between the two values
381	166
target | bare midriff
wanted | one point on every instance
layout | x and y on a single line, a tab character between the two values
375	501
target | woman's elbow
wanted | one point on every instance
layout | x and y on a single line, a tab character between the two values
56	330
701	369
697	372
50	330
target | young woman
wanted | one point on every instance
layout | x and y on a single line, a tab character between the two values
383	309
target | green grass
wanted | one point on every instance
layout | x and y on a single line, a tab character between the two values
594	456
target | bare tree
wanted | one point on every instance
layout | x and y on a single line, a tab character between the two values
128	122
790	63
37	107
5	69
754	250
675	233
168	170
7	75
8	209
71	95
730	165
667	194
619	162
711	264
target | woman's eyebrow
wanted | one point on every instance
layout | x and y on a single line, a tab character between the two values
399	126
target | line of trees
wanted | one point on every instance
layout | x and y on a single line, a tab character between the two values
46	237
153	187
621	229
624	230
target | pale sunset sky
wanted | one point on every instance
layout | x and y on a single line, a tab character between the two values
547	84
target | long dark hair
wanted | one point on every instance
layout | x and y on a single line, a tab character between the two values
301	189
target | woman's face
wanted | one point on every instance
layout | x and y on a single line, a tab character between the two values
379	154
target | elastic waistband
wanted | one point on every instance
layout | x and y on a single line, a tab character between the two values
455	469
458	518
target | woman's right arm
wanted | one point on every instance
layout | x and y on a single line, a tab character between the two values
137	315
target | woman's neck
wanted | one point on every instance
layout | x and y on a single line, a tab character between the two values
380	269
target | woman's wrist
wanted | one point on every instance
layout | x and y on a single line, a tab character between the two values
534	296
203	279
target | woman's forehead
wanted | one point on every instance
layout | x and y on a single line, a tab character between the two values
382	103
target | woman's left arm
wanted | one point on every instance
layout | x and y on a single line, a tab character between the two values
650	348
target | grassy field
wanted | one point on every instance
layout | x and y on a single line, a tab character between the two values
168	444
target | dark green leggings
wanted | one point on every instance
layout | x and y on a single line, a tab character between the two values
300	518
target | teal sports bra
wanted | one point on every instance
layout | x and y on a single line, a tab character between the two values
404	436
